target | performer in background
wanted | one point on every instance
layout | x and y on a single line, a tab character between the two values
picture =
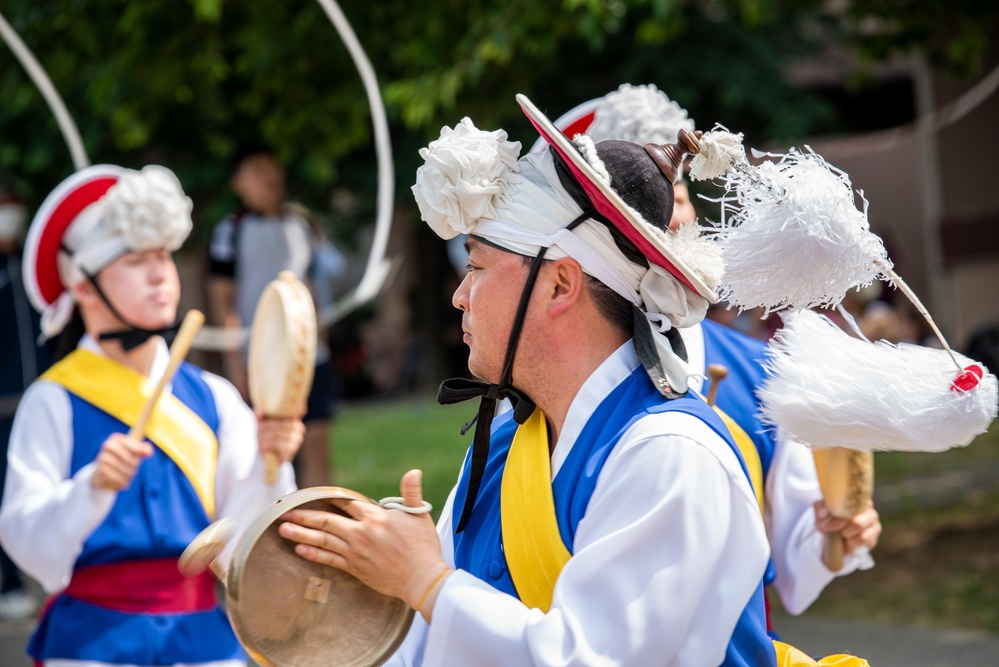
614	523
249	248
796	516
786	480
97	517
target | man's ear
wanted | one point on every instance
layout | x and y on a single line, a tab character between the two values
84	293
567	285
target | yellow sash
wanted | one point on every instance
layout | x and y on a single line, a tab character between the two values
788	656
533	546
173	427
749	454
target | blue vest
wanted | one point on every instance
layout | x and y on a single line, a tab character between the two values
743	357
156	517
479	548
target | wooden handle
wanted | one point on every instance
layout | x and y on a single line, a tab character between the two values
846	477
271	465
835	551
181	344
717	373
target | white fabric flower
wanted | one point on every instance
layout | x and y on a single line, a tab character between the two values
466	173
148	209
639	114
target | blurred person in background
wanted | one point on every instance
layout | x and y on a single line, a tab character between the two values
796	517
248	249
21	360
100	518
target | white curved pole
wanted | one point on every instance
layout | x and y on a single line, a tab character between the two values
378	267
37	73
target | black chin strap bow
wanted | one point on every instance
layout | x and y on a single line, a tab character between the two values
134	337
462	389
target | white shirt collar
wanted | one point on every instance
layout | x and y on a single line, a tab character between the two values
597	387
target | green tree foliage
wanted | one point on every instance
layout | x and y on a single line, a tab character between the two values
184	82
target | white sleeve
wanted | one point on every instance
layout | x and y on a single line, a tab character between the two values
670	551
792	487
46	515
241	493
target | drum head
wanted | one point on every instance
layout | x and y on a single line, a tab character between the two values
290	612
282	355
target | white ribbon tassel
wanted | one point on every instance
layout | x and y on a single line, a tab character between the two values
720	150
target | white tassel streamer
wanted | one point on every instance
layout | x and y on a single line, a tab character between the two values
828	389
792	236
720	151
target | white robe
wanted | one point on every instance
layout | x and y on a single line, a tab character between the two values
790	489
46	515
669	552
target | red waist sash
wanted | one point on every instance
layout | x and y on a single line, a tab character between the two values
142	586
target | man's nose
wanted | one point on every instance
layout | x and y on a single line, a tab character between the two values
460	297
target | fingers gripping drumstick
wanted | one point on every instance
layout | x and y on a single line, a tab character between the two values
181	344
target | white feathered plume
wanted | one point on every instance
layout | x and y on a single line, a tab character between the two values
828	389
792	235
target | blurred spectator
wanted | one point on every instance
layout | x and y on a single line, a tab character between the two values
248	249
21	361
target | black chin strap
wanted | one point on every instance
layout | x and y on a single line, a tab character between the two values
461	389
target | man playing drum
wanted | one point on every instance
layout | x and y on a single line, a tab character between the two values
614	523
97	517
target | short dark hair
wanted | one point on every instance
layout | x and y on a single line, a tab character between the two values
248	150
613	307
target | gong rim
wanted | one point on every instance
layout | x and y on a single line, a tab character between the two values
243	593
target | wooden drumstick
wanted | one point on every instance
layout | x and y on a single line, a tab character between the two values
181	344
203	551
717	373
178	351
271	465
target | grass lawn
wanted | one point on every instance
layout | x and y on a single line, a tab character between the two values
375	443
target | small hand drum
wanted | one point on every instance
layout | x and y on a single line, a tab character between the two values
290	612
282	348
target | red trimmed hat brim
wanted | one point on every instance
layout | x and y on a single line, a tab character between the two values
609	204
576	120
41	249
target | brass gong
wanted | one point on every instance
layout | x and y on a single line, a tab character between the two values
290	612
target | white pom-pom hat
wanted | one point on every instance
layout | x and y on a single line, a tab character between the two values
639	114
92	218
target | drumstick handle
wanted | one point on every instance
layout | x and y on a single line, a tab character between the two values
178	350
835	551
271	465
717	373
